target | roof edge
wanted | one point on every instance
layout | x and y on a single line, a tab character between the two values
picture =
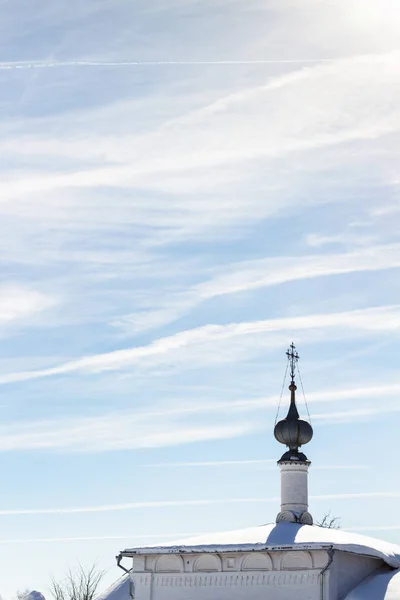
392	562
210	548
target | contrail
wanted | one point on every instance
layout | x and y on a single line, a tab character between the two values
97	538
12	66
155	536
268	462
374	528
130	506
219	463
180	503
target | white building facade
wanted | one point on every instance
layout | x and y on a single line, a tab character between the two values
287	560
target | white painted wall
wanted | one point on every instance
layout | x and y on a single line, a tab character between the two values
279	575
348	570
302	585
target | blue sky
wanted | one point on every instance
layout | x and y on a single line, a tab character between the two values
167	228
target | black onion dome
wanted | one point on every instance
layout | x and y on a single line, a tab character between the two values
293	431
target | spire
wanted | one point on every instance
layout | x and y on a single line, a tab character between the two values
293	431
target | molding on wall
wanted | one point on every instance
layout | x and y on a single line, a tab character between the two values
247	562
270	579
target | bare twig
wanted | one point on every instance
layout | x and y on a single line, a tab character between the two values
329	522
81	584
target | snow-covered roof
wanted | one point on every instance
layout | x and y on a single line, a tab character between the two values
117	591
279	536
379	586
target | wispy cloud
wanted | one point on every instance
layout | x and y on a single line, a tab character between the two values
367	321
205	138
157	536
369	392
176	503
375	528
133	505
10	66
112	432
349	416
267	272
94	538
355	495
20	302
262	273
218	463
266	464
179	423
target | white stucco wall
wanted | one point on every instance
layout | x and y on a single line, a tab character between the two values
348	570
250	586
230	576
280	575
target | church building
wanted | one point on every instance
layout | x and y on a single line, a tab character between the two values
286	560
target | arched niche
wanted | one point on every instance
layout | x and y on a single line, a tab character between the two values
207	562
169	564
257	561
296	560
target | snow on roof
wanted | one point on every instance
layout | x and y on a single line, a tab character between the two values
280	536
379	586
117	591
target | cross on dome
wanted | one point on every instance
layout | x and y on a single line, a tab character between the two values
293	357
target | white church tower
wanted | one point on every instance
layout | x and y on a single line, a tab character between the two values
294	433
291	558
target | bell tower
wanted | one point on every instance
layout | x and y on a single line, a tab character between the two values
294	433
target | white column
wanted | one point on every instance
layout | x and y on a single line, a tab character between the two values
294	492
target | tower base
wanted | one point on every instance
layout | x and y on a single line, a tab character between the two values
288	516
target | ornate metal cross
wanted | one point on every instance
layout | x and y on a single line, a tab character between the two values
293	358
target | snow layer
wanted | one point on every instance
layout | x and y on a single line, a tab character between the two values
281	535
118	591
34	595
381	586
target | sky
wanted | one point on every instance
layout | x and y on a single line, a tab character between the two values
188	186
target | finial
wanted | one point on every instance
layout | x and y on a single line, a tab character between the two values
293	431
293	357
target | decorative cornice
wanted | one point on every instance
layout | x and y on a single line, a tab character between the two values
229	579
297	463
